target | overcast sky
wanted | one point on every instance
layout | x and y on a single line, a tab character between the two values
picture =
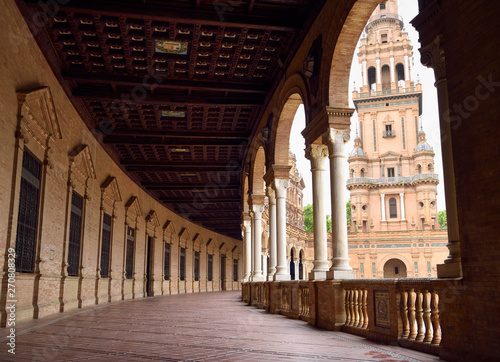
408	9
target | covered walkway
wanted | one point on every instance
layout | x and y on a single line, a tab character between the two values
189	327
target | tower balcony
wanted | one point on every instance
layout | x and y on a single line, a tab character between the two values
388	92
408	180
384	18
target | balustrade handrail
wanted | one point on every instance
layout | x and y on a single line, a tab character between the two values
385	16
387	92
393	180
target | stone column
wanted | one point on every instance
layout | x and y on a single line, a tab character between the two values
365	75
257	236
402	202
392	70
280	186
382	205
247	229
317	154
379	77
337	139
432	56
296	264
271	268
407	71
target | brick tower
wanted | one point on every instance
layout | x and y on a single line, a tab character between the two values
391	181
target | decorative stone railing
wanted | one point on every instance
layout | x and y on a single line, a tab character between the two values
393	180
387	92
404	311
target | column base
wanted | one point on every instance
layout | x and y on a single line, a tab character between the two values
449	270
258	278
281	277
317	275
340	274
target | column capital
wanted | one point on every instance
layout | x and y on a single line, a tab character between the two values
382	196
432	56
280	185
336	140
277	171
257	211
317	154
271	195
401	194
256	199
246	226
328	117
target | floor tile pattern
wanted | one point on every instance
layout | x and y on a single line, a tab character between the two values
189	327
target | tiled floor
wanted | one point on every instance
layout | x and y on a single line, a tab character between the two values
189	327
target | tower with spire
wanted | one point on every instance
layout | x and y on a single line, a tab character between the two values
391	181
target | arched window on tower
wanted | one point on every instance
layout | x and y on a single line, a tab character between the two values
393	208
362	172
429	167
419	169
372	77
352	173
386	77
400	71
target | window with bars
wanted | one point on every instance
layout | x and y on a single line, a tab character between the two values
27	218
166	266
105	245
196	265
403	132
182	265
129	256
75	234
374	138
235	270
210	269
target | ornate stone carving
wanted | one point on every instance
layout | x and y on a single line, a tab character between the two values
337	139
432	56
317	155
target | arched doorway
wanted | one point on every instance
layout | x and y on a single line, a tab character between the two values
394	268
292	265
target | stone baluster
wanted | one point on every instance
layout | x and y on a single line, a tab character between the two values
419	317
347	307
360	308
427	316
365	308
356	312
436	339
411	314
404	314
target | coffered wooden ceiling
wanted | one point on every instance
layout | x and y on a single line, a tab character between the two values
174	89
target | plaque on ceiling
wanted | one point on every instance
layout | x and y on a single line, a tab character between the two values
382	311
171	47
173	114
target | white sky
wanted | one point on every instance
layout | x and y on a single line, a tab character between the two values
408	9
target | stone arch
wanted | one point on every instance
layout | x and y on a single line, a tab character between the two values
294	94
257	171
386	77
381	263
400	72
336	66
395	268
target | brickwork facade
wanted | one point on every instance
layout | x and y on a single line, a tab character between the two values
38	118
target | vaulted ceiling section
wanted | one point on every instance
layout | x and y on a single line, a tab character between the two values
174	89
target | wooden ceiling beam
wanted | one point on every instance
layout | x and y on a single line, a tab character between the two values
217	200
181	134
147	82
171	100
173	141
186	187
181	168
162	12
